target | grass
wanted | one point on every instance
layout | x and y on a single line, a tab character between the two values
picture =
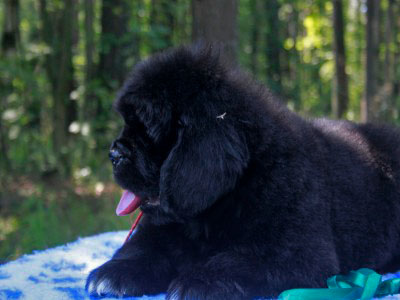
35	215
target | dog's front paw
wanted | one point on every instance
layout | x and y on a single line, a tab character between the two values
121	278
200	286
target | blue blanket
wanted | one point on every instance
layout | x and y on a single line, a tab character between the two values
60	273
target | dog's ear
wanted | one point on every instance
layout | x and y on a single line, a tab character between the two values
204	164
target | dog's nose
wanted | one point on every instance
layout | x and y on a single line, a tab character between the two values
115	156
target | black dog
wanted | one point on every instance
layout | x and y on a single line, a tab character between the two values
242	197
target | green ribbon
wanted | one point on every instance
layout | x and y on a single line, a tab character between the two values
362	284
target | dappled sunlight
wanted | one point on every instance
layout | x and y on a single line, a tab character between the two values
7	226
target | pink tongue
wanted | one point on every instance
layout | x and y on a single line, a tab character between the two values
129	202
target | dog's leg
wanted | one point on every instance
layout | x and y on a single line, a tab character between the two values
143	266
235	276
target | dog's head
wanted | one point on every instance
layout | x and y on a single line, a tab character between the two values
181	148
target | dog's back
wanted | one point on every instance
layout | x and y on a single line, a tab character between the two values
363	165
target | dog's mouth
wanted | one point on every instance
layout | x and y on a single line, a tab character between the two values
130	202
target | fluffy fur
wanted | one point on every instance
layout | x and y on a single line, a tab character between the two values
242	197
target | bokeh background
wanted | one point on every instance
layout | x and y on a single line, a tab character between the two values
61	63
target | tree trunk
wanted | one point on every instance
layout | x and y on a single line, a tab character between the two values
89	39
10	43
114	41
273	46
11	36
87	106
388	41
340	97
215	22
367	112
58	34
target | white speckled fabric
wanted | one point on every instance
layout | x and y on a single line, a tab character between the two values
59	273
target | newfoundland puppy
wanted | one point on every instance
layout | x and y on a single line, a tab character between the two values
241	197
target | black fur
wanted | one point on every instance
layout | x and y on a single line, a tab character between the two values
254	199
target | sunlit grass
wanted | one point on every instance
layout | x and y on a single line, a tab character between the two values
45	215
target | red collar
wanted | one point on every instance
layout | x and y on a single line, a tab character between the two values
139	216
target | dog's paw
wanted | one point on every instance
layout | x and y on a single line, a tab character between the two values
195	286
111	279
119	278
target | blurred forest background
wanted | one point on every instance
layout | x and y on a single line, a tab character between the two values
61	63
